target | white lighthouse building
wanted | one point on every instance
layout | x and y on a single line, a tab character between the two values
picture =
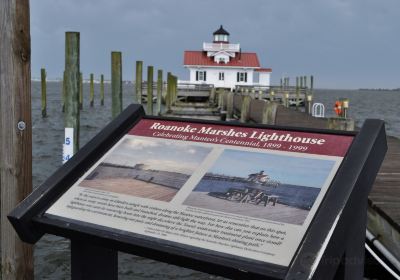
224	65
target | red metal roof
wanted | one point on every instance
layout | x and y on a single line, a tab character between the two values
241	60
263	70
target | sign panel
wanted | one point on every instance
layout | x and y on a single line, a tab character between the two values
248	192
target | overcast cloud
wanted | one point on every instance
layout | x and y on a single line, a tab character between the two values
344	44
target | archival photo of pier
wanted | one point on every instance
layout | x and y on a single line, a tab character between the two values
147	168
275	187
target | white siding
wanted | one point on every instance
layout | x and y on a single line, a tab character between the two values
230	76
264	78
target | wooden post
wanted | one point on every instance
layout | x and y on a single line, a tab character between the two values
174	89
269	113
245	110
212	95
116	83
15	133
159	91
91	95
72	80
229	105
63	94
311	82
44	98
81	91
102	90
150	70
297	93
169	93
138	82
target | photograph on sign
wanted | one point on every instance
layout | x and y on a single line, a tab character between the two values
146	168
246	192
261	185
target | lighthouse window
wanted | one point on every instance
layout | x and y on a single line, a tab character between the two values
221	76
241	77
201	76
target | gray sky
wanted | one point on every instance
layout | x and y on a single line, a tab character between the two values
343	43
159	155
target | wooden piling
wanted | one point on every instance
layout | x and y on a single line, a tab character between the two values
138	81
159	91
63	94
72	80
150	70
174	88
102	90
116	83
44	97
91	92
229	105
245	110
168	96
15	133
269	112
297	93
80	91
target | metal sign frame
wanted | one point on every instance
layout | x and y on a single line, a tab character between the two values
333	240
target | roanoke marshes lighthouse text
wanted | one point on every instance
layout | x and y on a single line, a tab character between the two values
189	132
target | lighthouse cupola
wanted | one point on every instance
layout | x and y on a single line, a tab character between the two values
221	35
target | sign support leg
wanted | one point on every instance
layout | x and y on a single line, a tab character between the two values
93	262
352	263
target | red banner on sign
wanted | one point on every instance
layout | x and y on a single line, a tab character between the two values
260	138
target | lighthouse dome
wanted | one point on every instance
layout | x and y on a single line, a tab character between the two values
221	35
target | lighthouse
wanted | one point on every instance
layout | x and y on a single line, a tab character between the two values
224	65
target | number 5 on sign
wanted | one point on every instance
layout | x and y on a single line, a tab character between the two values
68	146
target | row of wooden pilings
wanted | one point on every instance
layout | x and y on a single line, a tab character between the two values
250	107
240	106
72	87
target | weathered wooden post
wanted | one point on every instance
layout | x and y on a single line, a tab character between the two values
116	83
63	93
229	105
245	109
102	90
175	88
212	95
345	107
169	93
311	83
91	94
80	91
269	112
297	93
272	96
159	91
150	70
44	98
138	81
15	133
286	99
72	80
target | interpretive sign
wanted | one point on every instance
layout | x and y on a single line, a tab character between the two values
246	197
242	191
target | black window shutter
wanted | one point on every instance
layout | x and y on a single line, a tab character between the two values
197	75
205	77
237	77
245	77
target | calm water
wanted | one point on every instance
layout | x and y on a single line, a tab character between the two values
52	254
